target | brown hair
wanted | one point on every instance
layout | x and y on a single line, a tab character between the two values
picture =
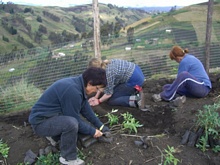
95	62
177	51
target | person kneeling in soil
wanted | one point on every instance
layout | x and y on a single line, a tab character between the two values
192	79
124	79
57	112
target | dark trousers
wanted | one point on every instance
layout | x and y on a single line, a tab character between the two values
122	92
64	126
184	84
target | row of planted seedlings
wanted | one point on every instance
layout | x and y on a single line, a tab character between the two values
130	124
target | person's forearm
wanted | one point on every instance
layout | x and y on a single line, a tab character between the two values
97	94
104	98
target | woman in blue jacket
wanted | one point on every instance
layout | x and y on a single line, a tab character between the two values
191	81
57	112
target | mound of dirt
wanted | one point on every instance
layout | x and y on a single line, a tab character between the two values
163	124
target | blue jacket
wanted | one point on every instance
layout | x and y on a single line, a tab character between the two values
194	66
66	97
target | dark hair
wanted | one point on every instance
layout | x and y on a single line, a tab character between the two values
94	76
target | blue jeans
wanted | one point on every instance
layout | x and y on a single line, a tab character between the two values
64	126
121	95
122	92
184	84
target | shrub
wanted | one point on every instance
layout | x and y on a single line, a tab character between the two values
19	96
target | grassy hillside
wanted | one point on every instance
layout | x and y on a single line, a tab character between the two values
78	20
26	20
187	24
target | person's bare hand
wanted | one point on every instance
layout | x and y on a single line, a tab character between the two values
93	101
98	133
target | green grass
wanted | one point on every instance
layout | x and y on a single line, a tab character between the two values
19	96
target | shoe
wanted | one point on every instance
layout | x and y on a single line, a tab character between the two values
138	100
146	108
71	162
156	97
52	141
179	101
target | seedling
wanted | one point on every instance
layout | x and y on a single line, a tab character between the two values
209	120
4	149
130	123
169	157
80	154
48	159
112	119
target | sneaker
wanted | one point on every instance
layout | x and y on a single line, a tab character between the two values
52	141
138	100
179	101
156	97
71	162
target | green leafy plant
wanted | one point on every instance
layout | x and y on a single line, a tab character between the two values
4	150
209	120
112	119
216	148
169	157
48	159
80	154
130	123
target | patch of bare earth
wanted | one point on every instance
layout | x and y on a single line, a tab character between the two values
162	119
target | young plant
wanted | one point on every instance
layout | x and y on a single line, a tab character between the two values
169	157
209	120
4	150
80	154
130	123
112	119
216	148
48	159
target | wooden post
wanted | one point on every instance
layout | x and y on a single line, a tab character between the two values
208	35
96	26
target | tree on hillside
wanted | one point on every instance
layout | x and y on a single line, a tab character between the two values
117	29
38	37
42	29
130	35
173	9
39	19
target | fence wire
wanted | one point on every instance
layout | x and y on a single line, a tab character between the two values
26	74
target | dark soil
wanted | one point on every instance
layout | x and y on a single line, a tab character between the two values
163	118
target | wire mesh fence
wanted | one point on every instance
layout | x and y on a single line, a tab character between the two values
26	74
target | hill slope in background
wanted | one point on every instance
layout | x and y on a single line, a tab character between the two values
32	26
42	26
188	22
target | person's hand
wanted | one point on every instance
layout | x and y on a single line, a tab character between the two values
98	133
93	101
105	129
106	136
